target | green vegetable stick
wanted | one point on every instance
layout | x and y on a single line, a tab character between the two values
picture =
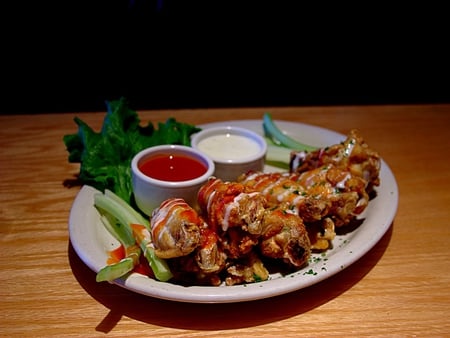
117	230
272	131
124	204
159	266
129	218
115	209
114	271
278	156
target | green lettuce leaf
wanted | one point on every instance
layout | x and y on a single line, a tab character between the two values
105	156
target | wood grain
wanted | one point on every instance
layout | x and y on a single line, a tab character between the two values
400	288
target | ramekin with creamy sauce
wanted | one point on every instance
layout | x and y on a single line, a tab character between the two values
234	150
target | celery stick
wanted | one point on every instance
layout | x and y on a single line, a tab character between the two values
111	204
116	270
159	266
279	138
117	230
115	209
116	198
278	154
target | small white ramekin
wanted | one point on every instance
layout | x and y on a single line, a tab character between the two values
150	192
227	167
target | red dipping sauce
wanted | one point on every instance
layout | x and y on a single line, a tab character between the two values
172	167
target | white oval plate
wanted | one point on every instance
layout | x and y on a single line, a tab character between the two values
92	241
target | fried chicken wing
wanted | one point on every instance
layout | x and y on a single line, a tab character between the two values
321	234
353	155
175	228
209	256
345	192
237	242
285	237
318	193
324	198
229	204
204	264
281	188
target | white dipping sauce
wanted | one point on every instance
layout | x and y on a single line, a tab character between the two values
229	146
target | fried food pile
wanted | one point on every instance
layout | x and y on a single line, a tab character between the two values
265	219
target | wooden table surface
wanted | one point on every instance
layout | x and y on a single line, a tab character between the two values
399	288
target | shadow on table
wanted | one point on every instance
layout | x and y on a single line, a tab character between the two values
122	302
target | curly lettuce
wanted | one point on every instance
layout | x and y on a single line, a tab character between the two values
105	156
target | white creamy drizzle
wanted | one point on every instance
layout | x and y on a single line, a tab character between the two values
209	201
228	208
366	176
298	159
293	210
210	197
348	150
231	206
269	187
162	214
360	202
341	183
165	228
284	195
310	179
252	176
158	216
297	200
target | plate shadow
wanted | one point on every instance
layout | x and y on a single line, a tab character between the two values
123	302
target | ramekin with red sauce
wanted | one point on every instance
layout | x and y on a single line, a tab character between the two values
166	171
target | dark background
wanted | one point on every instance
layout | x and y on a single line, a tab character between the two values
73	55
